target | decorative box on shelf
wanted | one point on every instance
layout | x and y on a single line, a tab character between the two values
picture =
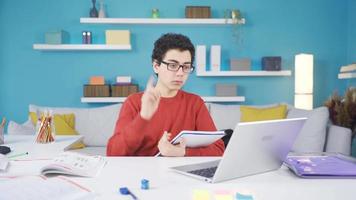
125	90
56	37
96	90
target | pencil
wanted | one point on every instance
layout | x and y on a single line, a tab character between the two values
17	155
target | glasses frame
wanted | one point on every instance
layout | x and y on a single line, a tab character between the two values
180	66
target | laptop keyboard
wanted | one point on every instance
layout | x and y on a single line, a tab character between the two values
206	172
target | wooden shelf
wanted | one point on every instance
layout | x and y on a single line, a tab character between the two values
347	75
80	47
245	73
211	21
122	99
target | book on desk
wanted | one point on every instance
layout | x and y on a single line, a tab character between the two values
76	164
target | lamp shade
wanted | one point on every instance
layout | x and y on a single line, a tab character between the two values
304	81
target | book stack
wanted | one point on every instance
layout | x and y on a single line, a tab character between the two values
123	87
45	130
348	71
348	68
96	87
197	12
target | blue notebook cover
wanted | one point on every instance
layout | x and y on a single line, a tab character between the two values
314	166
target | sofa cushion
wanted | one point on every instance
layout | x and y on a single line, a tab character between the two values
249	114
227	116
27	128
95	124
312	136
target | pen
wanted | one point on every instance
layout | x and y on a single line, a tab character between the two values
17	155
126	191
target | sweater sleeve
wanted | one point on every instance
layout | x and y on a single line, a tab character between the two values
204	122
129	131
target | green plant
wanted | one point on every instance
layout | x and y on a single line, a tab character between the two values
342	110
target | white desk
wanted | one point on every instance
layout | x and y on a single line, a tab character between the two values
26	143
165	184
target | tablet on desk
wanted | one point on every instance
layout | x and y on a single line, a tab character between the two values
196	139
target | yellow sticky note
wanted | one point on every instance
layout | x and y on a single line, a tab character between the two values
201	195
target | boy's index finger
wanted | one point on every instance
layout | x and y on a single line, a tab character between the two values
150	83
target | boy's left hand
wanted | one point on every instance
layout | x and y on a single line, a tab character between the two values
168	149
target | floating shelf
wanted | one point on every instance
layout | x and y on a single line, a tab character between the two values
122	99
245	73
80	47
212	21
347	75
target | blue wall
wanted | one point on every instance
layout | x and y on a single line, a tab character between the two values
274	27
351	39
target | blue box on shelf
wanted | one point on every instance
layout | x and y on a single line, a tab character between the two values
56	37
272	63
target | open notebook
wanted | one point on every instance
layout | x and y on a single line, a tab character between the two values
326	165
75	164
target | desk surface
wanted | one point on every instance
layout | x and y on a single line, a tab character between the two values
26	143
166	184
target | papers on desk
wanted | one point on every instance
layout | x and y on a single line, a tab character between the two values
72	163
196	139
4	162
39	187
318	166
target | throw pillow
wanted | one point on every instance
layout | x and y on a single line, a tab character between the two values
312	136
249	114
63	125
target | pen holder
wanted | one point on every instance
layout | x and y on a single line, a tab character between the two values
45	129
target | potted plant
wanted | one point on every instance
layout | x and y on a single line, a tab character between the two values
342	110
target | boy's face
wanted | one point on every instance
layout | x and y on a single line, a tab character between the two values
167	75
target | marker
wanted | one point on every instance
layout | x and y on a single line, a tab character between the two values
17	155
126	191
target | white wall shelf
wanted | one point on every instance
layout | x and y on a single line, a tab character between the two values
80	47
122	99
212	21
245	73
347	75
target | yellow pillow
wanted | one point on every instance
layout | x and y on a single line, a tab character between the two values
63	125
250	114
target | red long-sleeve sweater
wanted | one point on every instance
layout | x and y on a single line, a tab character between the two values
135	136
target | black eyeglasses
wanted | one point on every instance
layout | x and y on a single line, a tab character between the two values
174	67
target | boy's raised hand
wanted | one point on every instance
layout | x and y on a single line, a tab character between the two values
150	100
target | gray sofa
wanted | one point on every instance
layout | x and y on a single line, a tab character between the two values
97	125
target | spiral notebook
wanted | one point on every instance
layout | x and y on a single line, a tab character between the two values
326	165
196	139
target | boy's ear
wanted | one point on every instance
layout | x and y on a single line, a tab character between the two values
155	66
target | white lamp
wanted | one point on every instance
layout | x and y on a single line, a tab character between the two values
303	98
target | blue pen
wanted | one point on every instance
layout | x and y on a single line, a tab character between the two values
126	191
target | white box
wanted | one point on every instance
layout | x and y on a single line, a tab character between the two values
215	57
123	79
201	58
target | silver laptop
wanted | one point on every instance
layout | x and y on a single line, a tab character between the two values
254	147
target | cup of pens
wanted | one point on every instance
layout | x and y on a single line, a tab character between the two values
45	128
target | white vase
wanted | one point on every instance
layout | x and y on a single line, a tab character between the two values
102	10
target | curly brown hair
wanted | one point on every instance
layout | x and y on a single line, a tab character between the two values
170	41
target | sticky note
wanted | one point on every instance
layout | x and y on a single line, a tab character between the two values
243	196
201	195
